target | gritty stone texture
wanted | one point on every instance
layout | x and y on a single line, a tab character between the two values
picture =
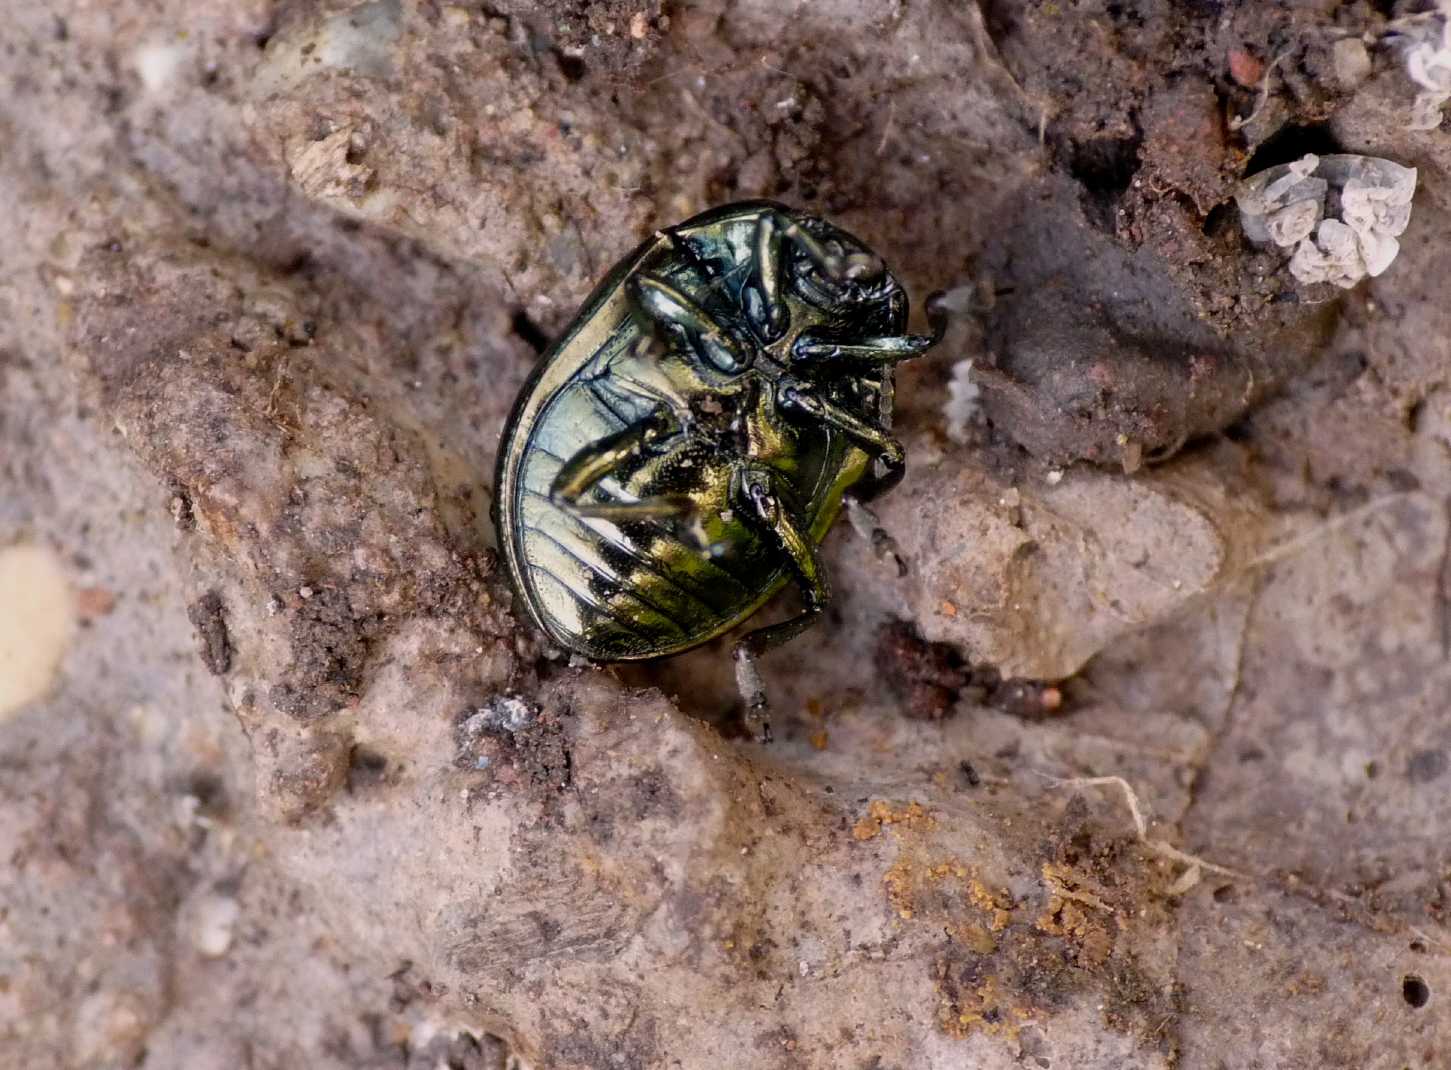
208	616
303	792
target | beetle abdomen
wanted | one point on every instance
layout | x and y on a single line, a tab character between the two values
620	590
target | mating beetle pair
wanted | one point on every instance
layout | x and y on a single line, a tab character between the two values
682	450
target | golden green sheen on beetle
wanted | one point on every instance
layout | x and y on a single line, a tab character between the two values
686	444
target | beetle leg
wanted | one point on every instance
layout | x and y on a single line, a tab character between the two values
762	298
668	307
760	501
585	469
890	455
794	394
597	460
875	484
864	522
887	350
668	507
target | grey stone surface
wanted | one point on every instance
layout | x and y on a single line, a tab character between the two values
302	792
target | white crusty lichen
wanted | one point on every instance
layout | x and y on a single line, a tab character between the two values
1340	215
1426	48
963	396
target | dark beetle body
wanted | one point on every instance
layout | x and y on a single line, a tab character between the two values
665	470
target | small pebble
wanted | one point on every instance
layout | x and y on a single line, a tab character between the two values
158	64
1245	68
1352	61
37	615
213	925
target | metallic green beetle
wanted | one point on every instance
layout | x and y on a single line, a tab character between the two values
683	448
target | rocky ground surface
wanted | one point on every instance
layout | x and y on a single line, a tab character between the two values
1143	762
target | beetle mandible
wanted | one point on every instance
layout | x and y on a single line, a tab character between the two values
683	448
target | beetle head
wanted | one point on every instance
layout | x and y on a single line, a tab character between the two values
848	282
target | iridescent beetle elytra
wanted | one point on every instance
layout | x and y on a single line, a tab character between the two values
684	447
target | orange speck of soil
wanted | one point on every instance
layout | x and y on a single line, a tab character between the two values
898	880
970	916
985	1007
94	602
973	937
880	814
948	609
1077	913
995	904
819	739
